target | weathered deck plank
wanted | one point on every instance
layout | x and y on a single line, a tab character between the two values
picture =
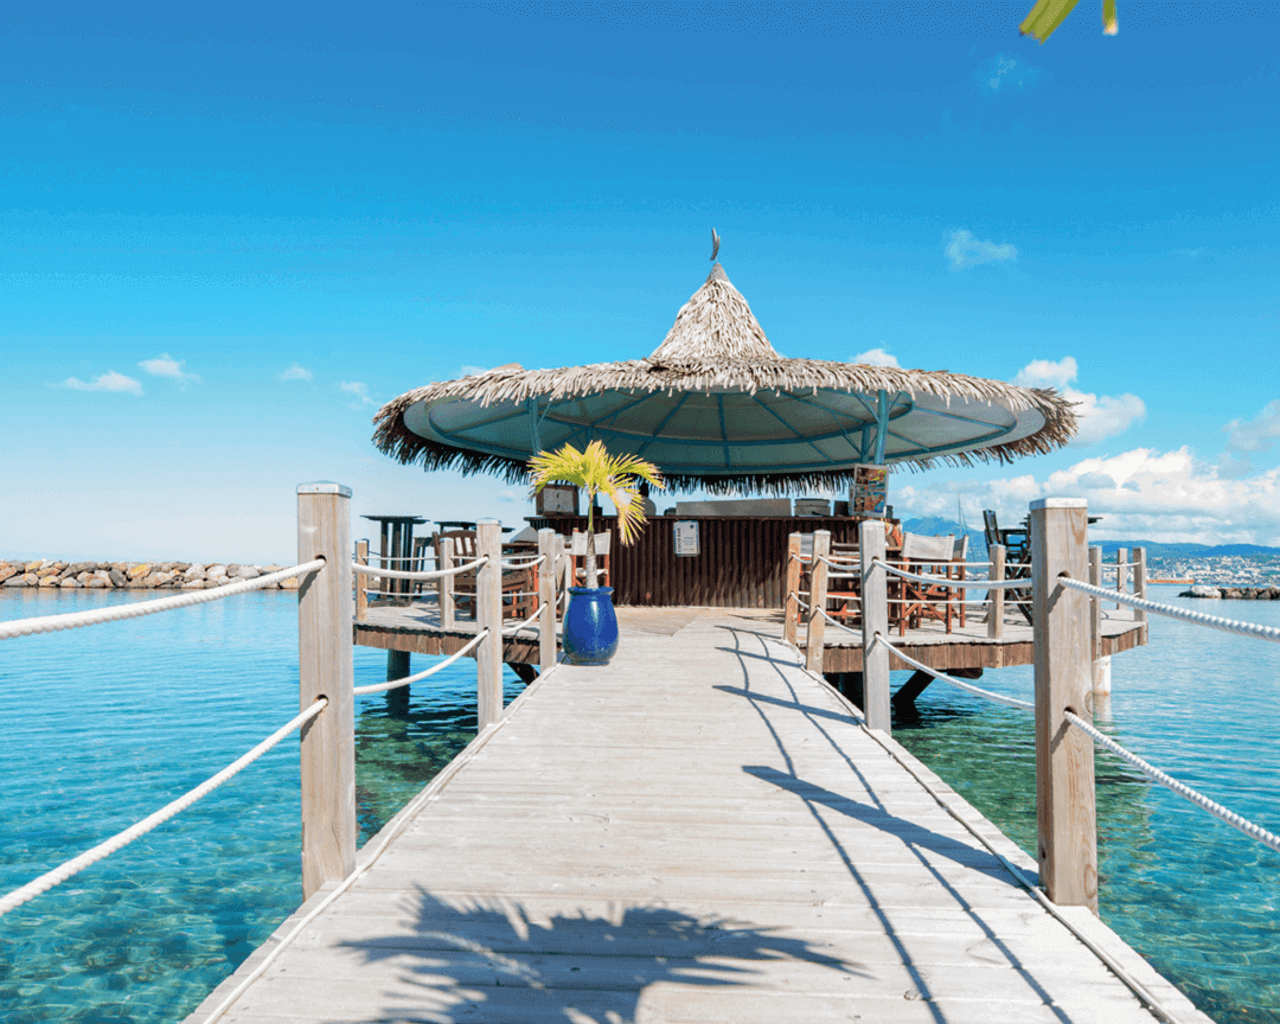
699	832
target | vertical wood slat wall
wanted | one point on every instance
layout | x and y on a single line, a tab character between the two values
741	564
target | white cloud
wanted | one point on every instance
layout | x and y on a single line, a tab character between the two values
1005	72
1141	494
1097	416
109	381
875	357
296	372
963	250
1259	434
360	392
166	366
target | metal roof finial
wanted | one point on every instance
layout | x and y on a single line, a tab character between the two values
715	245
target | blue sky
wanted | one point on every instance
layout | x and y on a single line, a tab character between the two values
230	234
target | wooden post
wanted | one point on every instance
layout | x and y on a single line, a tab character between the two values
325	670
362	582
489	616
1139	581
817	602
546	600
569	581
445	598
1122	571
995	612
561	567
1101	663
875	622
792	603
1068	842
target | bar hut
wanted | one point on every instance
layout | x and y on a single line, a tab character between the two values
717	408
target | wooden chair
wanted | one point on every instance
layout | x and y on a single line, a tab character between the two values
920	601
519	586
577	555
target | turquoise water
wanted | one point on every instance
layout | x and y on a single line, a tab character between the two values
104	725
1197	898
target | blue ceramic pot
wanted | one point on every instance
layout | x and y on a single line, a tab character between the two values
590	634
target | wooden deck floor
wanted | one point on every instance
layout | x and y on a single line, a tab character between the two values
699	832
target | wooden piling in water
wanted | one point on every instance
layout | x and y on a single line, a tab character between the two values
325	670
1066	816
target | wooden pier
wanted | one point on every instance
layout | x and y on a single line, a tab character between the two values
701	831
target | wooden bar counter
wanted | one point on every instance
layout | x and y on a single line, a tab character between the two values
741	560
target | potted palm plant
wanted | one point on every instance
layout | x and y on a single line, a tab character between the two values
590	625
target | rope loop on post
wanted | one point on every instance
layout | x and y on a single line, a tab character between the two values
74	866
73	620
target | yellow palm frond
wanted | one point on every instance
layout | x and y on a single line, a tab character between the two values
1045	17
597	472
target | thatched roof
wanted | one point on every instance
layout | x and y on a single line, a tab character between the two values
716	346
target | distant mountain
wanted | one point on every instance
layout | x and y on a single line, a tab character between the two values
936	526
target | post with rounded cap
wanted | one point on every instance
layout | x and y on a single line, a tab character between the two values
489	617
362	582
792	607
817	628
546	600
1066	818
325	670
875	622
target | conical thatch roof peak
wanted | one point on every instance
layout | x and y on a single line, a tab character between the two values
716	325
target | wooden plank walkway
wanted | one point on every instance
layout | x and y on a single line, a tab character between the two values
699	832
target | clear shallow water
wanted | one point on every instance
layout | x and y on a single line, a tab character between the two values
1198	899
103	725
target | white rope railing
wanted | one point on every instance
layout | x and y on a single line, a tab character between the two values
958	584
1169	782
435	574
513	630
1252	629
799	600
527	563
840	625
73	620
121	839
978	691
360	691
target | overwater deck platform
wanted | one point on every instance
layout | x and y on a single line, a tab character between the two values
416	628
701	832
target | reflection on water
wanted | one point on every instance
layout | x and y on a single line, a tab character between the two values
1197	898
104	725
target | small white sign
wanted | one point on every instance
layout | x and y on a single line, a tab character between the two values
686	538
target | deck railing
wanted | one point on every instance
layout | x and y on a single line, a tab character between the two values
1066	616
326	673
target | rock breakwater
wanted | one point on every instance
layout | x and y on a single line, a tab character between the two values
1234	593
49	574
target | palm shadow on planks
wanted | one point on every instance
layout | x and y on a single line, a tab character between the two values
481	958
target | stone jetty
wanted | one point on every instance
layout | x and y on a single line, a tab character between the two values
1234	593
48	573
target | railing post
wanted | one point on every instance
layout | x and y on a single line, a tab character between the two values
561	567
1122	571
1139	581
1067	825
995	612
325	670
489	616
792	604
447	584
875	622
567	556
546	600
362	582
817	602
1101	662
